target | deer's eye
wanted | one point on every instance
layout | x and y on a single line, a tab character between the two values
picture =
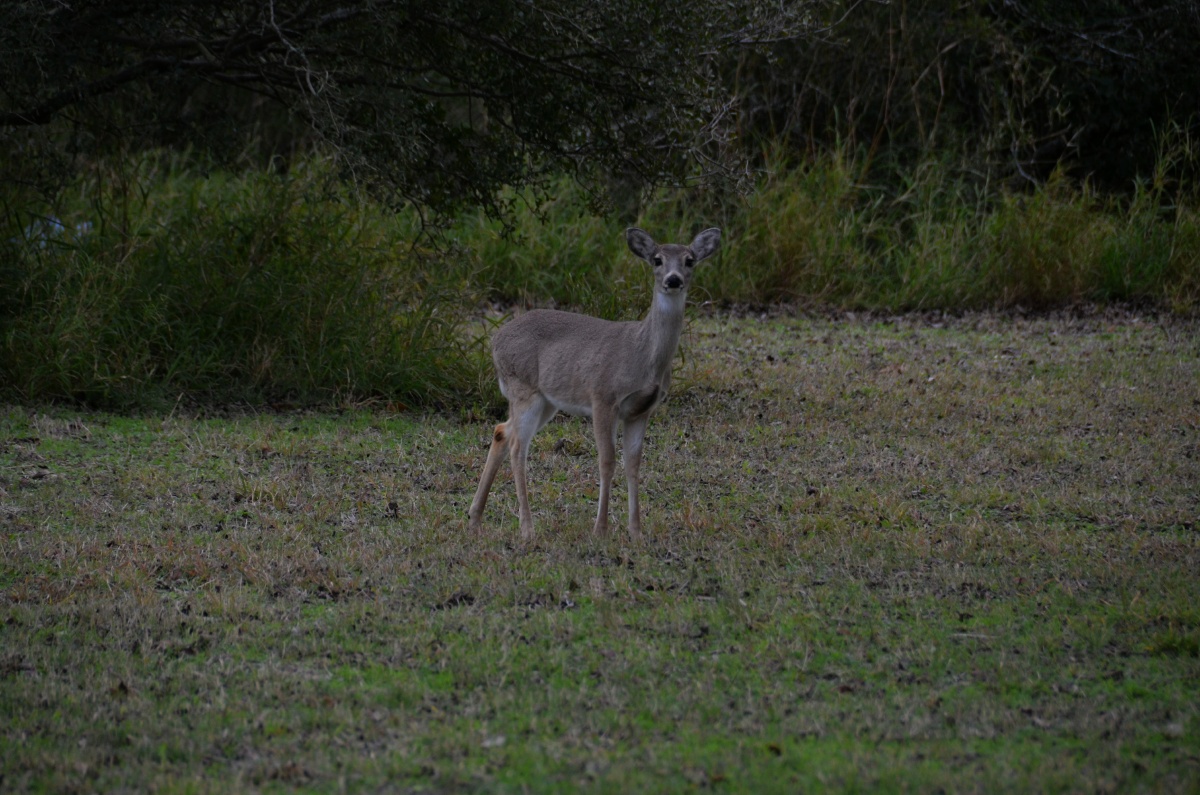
688	262
658	261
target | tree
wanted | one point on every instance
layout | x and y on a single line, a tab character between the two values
435	103
1021	87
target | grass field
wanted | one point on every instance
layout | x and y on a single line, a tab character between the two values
883	554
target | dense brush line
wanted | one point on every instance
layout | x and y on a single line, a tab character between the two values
218	288
160	282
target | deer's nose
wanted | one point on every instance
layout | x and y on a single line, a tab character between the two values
673	282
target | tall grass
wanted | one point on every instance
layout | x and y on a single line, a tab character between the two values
269	287
556	253
258	287
835	231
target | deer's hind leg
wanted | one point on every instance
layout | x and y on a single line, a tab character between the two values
495	457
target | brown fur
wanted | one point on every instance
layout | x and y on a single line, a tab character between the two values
549	361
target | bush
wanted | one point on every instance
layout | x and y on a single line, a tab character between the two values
815	234
261	287
266	287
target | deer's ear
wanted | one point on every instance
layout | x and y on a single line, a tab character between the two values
640	243
706	243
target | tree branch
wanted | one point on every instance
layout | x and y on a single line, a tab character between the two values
43	113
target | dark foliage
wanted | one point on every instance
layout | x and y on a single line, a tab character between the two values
1020	86
437	103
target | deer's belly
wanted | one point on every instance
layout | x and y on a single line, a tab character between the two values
567	407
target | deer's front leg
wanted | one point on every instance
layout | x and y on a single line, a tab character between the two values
604	422
635	433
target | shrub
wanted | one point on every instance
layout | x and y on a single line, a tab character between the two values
161	282
262	287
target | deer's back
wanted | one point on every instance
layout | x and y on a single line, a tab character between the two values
568	356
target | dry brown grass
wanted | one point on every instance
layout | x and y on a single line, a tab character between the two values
882	553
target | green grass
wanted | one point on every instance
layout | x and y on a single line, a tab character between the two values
901	554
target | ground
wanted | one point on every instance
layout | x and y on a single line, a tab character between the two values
902	553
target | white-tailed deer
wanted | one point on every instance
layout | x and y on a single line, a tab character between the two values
549	361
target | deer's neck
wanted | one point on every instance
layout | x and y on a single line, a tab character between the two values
662	328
